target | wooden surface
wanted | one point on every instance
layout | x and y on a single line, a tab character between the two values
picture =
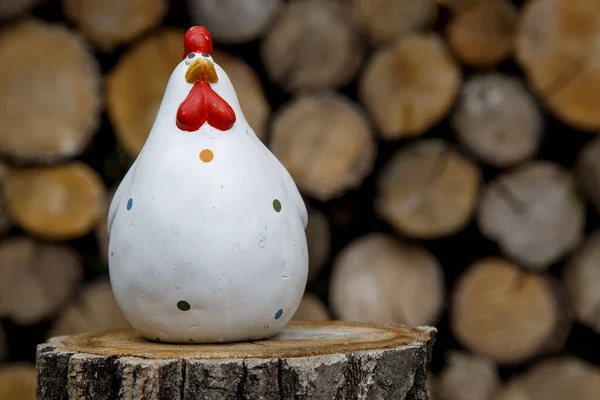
314	360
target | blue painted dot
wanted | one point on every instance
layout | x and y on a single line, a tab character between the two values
279	314
130	204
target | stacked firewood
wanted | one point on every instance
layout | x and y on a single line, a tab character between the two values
446	151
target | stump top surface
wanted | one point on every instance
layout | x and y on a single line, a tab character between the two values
298	339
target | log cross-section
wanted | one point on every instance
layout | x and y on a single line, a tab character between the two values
307	360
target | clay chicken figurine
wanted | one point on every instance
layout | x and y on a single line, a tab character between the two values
207	240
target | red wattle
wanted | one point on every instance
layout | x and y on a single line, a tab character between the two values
201	105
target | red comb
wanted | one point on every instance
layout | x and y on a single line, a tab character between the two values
197	40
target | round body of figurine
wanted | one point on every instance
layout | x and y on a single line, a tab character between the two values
207	240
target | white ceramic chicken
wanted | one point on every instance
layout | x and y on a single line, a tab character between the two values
207	240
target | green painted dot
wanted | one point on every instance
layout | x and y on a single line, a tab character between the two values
183	305
276	205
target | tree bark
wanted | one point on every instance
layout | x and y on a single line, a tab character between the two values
308	360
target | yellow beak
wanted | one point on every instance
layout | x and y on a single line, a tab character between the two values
201	70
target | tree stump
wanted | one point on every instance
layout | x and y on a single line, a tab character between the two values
498	120
307	360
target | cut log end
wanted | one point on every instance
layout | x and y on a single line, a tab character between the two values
428	190
318	237
498	120
36	279
556	46
468	377
385	20
587	169
507	314
512	207
128	19
559	378
582	279
12	8
311	308
59	203
18	381
56	119
134	94
481	34
249	90
95	309
312	44
234	21
353	361
410	85
398	283
325	142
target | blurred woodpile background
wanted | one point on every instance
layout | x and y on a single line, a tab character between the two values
447	151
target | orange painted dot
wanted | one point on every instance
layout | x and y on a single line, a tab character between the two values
206	155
